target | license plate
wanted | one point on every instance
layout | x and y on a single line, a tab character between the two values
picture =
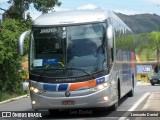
154	80
68	102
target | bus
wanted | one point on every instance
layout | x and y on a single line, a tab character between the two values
79	59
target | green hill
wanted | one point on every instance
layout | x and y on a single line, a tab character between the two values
141	23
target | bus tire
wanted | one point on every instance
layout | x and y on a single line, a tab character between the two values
131	92
114	106
119	90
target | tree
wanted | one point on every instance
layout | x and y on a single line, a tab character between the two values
10	60
142	44
155	45
18	7
150	42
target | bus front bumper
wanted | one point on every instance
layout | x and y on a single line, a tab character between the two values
101	98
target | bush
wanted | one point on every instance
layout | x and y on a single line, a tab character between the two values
10	61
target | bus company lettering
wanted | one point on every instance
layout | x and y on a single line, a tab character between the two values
48	30
65	80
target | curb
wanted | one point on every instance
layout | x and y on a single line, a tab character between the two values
142	83
13	99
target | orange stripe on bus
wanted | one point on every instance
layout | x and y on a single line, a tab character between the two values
81	85
133	60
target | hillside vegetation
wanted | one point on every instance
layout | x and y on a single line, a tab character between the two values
141	23
146	27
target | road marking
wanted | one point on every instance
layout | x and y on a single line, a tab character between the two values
135	105
149	101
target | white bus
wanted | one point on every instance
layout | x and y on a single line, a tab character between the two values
79	59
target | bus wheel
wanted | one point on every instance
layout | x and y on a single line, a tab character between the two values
152	84
114	107
131	92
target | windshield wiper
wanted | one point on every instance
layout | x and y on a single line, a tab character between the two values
47	69
64	68
71	68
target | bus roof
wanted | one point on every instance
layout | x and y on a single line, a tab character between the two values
71	17
75	17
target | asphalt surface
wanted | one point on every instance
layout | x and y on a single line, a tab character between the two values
149	107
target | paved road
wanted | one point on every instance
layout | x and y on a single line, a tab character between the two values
146	97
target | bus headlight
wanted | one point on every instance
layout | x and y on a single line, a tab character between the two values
36	90
101	86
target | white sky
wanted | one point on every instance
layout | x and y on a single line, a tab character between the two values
123	6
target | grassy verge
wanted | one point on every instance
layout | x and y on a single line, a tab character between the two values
5	96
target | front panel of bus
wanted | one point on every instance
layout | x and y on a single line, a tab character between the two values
68	66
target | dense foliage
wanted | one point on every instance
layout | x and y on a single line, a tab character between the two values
11	72
149	44
18	7
10	60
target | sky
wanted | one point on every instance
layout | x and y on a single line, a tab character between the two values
128	7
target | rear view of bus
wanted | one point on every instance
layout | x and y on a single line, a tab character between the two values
72	61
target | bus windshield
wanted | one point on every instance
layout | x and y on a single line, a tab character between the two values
78	46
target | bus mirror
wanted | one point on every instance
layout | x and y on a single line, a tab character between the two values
21	41
110	36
